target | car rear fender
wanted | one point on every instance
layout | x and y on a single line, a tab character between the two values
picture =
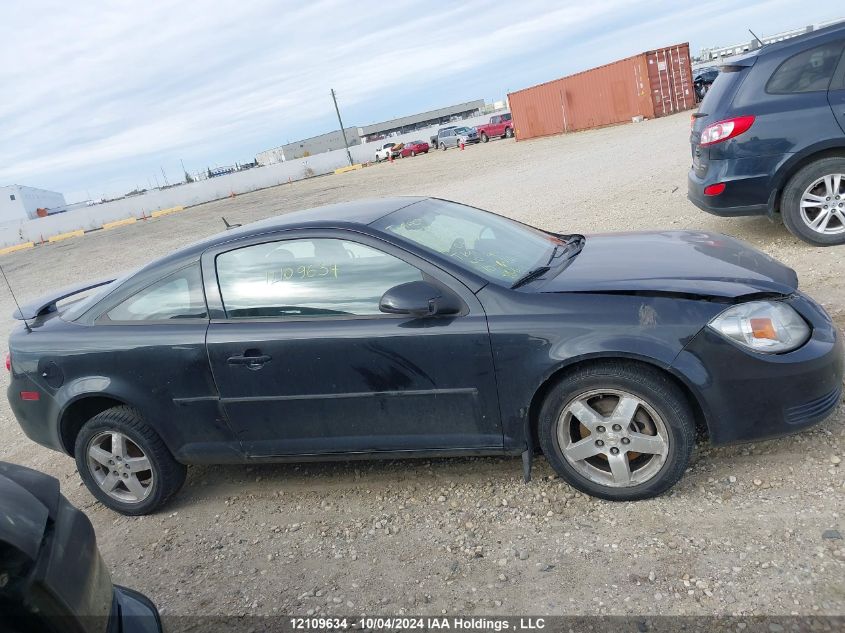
795	162
81	399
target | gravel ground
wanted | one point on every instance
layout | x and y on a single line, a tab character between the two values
752	529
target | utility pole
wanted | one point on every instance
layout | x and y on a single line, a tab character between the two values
167	184
342	130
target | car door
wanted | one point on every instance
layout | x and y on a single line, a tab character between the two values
836	95
305	363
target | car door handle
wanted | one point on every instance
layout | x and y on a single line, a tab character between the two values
252	362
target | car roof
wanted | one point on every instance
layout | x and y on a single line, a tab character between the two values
339	215
809	39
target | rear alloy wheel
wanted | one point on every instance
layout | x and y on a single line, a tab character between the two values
443	146
813	205
508	133
125	464
617	431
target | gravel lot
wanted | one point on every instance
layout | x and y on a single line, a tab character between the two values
752	529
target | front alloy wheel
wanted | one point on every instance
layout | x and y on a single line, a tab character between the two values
613	438
617	430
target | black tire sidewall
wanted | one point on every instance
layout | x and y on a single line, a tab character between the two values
659	394
791	201
106	422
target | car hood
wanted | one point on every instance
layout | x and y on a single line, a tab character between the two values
682	262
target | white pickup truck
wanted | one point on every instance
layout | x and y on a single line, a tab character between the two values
386	150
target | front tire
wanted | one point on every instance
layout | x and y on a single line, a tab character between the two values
617	430
484	138
125	464
813	203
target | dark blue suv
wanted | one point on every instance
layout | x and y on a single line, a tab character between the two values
769	137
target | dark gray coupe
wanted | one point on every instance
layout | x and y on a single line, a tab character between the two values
410	327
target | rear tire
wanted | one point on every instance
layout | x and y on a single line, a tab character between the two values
813	203
508	132
592	421
140	481
443	146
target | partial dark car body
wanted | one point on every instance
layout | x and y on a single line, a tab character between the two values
702	79
774	137
409	327
54	578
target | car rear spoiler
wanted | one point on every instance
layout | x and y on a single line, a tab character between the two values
47	303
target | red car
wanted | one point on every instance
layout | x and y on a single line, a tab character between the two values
413	148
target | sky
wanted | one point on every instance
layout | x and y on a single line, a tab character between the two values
100	97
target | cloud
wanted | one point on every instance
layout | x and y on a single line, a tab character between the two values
99	92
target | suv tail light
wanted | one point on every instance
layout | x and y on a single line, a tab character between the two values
723	130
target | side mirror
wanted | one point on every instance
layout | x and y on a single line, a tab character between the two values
419	299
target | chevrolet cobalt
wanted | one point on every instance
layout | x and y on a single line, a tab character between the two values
410	327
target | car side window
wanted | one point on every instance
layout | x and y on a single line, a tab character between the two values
808	71
177	296
494	120
308	278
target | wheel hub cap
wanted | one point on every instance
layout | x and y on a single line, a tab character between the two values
120	467
613	438
822	209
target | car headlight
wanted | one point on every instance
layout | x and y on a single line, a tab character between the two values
764	326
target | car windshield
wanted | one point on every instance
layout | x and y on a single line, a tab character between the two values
462	130
498	249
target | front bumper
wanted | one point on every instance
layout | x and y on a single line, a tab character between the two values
748	396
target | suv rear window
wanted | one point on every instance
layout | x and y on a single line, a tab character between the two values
724	83
808	71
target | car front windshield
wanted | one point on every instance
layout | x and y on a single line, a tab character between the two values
462	130
490	245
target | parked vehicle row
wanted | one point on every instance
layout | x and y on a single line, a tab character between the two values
499	126
769	137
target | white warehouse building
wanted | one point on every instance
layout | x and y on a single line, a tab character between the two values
22	203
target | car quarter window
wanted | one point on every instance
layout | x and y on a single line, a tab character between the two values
177	296
506	117
308	278
808	71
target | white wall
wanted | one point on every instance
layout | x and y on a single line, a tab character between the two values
11	210
27	200
94	217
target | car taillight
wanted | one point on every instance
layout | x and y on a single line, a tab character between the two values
723	130
30	395
8	361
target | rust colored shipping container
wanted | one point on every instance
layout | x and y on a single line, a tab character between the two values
651	84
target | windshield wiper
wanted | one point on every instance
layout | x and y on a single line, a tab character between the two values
531	275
